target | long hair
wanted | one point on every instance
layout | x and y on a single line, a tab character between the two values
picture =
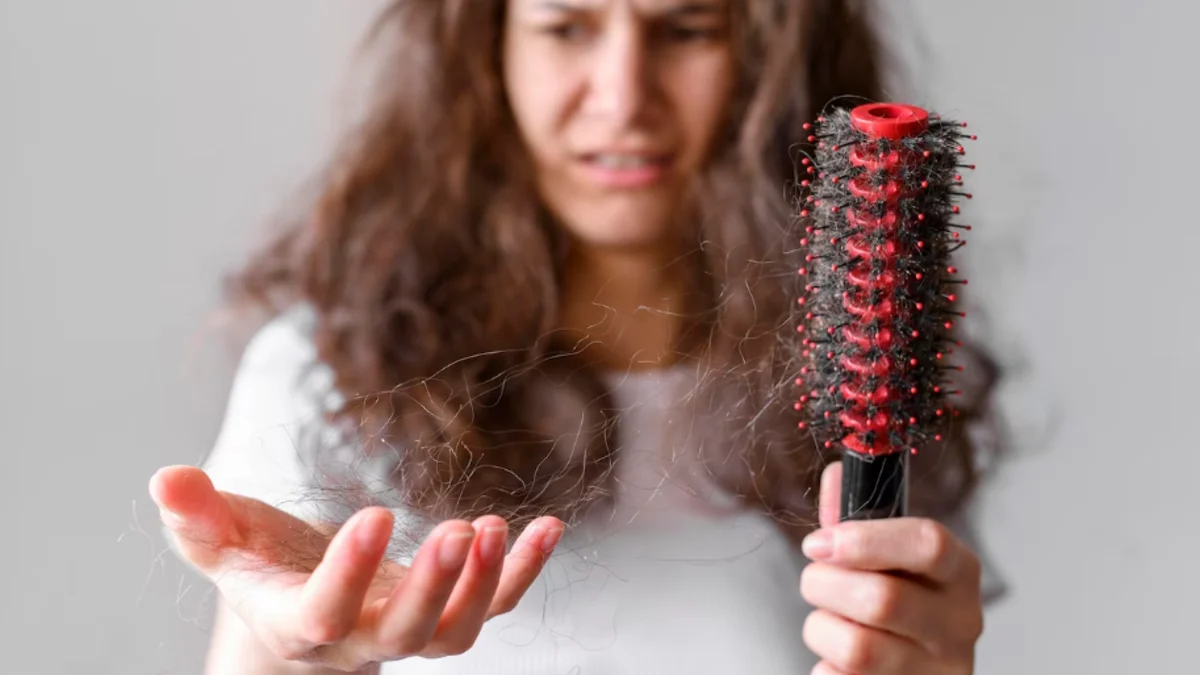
434	273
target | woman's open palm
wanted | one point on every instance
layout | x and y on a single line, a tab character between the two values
332	598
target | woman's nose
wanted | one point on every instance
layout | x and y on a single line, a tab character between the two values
620	77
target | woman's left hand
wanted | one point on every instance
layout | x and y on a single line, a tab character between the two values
899	596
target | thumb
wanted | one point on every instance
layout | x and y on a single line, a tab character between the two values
829	506
200	518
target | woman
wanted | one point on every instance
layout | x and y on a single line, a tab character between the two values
545	291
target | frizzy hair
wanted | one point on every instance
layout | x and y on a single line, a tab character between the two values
434	273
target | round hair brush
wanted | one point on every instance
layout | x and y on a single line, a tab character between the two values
879	296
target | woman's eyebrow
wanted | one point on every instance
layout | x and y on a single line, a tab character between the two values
694	8
683	9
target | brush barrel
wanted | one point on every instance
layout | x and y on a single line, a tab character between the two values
877	310
874	479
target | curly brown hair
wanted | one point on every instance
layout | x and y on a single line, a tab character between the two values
434	273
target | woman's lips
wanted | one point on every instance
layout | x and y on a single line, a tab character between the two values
625	170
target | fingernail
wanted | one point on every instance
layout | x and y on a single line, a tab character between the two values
818	545
452	552
550	539
491	546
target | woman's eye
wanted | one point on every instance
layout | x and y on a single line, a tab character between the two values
691	33
569	32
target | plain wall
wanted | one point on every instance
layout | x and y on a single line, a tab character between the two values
144	142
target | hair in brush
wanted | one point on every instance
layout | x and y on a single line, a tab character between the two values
879	295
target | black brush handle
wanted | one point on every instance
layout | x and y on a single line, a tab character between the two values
874	486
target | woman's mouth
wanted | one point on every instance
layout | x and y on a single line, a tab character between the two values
625	170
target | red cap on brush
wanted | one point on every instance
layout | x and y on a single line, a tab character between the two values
879	294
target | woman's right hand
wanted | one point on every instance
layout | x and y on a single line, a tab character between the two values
330	598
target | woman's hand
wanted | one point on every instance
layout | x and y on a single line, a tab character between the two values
893	597
334	600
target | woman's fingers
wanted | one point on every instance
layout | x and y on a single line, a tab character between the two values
200	518
858	649
410	616
458	582
304	593
525	562
331	600
875	600
917	546
467	607
829	508
827	668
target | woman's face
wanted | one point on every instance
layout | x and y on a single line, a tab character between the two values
618	102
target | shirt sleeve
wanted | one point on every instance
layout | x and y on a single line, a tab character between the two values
274	409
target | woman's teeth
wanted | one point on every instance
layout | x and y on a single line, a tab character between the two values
623	161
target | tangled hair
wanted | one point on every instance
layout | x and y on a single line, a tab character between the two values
434	273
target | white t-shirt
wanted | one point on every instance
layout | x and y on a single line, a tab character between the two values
676	582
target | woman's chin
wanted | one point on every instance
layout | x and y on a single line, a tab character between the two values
629	227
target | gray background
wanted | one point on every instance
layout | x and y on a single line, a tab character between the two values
143	142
